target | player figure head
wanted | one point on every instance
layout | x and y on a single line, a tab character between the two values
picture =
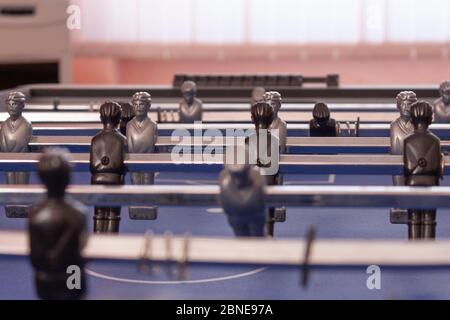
444	92
127	111
189	91
142	102
15	103
421	115
110	113
404	101
262	115
54	171
274	99
258	94
127	115
321	113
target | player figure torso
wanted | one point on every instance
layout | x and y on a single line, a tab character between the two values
189	114
141	136
49	224
107	156
245	201
400	129
325	130
441	112
422	156
281	126
16	135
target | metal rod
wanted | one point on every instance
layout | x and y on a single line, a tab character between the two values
208	129
195	162
190	141
207	195
210	116
225	107
265	252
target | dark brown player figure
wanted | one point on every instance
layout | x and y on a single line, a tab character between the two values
242	198
422	167
262	117
108	148
190	108
127	116
322	125
57	229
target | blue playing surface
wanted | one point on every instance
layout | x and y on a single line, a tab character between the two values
121	279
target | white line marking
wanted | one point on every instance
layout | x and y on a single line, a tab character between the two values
236	276
214	210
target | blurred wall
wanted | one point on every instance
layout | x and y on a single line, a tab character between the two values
366	41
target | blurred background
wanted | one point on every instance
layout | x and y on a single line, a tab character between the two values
367	42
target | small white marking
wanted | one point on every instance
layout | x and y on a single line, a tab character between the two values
214	210
331	178
235	276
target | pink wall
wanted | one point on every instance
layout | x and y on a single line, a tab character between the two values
89	70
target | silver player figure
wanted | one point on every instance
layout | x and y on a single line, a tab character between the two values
442	105
243	200
15	136
142	133
191	108
402	126
274	99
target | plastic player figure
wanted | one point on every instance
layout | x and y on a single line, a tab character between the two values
442	105
191	108
108	148
15	136
242	199
402	127
127	115
262	117
422	167
142	133
57	230
322	125
274	99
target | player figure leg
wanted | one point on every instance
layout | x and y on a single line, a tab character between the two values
270	224
100	215
112	220
414	224
143	212
17	210
429	224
